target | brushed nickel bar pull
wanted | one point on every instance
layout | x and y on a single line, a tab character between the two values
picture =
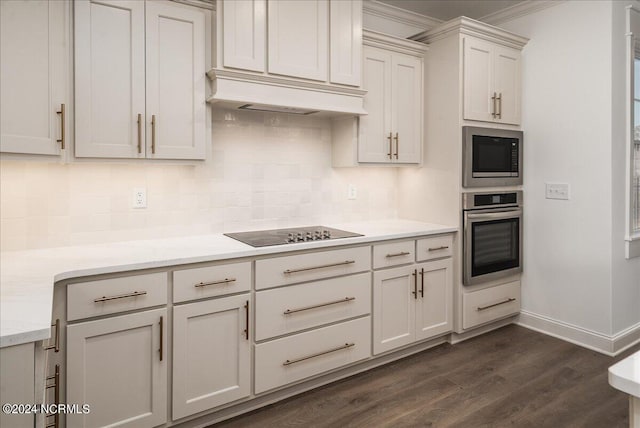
153	134
222	281
499	100
346	262
444	247
422	282
161	337
306	308
122	296
390	154
61	113
402	253
246	330
56	343
339	348
493	109
509	300
415	284
397	138
139	133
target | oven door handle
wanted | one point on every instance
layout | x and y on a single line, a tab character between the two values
495	215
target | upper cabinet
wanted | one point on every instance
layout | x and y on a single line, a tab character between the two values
139	80
34	57
244	23
491	86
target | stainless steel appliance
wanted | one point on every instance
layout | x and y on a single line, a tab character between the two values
264	238
491	157
492	242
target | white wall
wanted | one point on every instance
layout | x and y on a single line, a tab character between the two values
567	122
266	170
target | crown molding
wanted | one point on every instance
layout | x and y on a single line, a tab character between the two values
396	14
381	40
464	25
518	10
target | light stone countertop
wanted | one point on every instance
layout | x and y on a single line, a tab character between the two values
27	277
625	375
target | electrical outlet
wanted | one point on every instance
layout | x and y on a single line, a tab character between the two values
139	197
557	191
352	192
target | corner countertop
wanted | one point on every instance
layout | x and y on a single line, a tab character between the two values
27	277
625	375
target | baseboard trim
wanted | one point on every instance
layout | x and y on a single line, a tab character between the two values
608	345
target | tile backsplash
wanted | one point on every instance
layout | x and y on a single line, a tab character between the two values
263	170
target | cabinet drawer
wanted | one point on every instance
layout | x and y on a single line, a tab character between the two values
434	247
311	266
290	309
490	304
210	281
297	357
110	296
393	254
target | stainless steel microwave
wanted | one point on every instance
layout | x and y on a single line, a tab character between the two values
491	157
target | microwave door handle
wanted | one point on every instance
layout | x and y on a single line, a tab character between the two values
498	215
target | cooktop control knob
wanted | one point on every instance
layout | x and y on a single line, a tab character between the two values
299	237
291	238
308	237
326	234
317	235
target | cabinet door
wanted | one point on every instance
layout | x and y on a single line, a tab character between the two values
406	103
507	84
244	33
393	308
175	84
211	354
375	144
109	78
346	41
18	383
434	314
33	58
478	80
118	365
298	35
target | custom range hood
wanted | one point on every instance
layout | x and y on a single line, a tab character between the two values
266	92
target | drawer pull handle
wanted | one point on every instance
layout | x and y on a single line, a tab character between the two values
122	296
509	300
403	253
339	348
62	139
346	262
222	281
293	311
444	247
161	350
56	344
415	284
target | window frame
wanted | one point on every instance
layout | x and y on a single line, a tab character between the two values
632	234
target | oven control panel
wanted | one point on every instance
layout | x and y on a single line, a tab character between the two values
473	200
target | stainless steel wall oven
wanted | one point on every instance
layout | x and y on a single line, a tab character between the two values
492	236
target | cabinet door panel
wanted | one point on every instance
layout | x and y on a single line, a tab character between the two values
375	127
114	365
478	80
109	78
434	314
507	84
406	93
33	51
211	355
245	32
346	41
175	84
298	36
393	308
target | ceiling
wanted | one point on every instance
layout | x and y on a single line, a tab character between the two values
449	9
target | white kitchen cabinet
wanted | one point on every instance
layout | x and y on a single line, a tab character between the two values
132	104
34	57
434	311
491	85
118	366
244	36
345	44
211	354
18	383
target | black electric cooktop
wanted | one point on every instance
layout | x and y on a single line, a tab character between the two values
265	238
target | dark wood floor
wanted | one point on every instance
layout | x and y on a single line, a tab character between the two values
509	377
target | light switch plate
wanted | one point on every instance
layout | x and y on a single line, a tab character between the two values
352	192
557	191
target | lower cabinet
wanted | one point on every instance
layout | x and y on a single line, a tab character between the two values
411	303
211	354
18	383
118	366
